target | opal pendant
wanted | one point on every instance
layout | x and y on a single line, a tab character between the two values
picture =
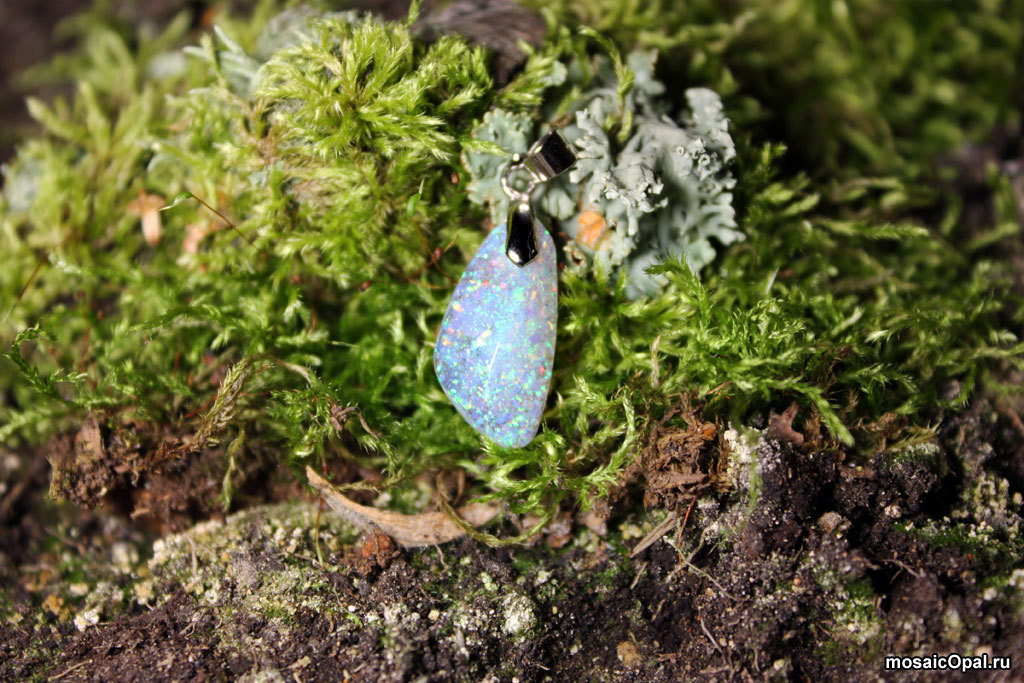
496	346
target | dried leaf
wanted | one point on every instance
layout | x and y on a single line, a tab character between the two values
655	534
427	528
89	442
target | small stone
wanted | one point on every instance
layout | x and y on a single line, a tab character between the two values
496	347
831	521
53	603
144	592
596	519
89	617
628	654
519	614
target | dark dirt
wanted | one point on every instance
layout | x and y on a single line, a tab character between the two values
819	580
28	37
147	474
26	29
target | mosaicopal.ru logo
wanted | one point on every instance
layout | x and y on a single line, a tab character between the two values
950	662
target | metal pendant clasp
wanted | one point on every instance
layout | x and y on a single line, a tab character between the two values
548	158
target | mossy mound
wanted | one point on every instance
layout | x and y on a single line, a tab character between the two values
319	213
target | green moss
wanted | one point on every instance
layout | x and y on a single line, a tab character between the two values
927	453
855	622
999	552
279	612
6	605
334	152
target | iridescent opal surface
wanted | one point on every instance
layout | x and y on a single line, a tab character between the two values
497	341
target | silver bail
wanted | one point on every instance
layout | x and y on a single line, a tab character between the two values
549	157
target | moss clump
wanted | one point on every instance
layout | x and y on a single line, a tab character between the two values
297	318
999	552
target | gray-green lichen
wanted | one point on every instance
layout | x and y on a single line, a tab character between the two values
662	191
255	556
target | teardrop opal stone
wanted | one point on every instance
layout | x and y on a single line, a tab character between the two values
496	346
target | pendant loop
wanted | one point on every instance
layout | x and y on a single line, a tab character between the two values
506	181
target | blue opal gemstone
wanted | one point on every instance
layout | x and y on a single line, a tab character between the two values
497	341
